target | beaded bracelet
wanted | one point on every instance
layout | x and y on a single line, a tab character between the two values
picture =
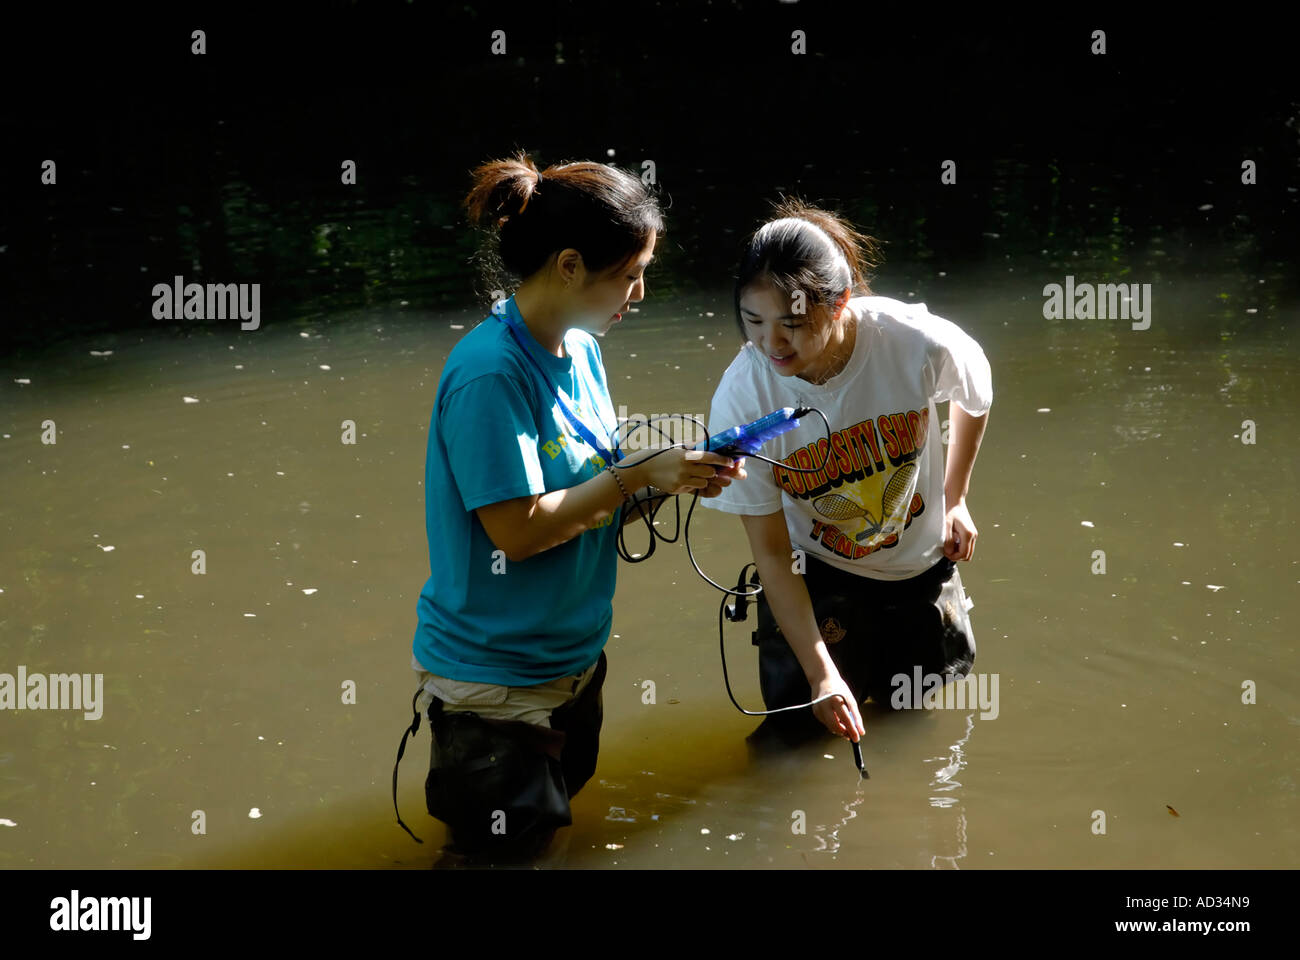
619	481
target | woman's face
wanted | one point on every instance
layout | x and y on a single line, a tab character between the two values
600	300
796	344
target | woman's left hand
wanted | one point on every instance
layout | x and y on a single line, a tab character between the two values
724	477
959	532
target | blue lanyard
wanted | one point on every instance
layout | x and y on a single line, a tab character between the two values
504	315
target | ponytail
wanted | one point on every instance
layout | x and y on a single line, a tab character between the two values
604	213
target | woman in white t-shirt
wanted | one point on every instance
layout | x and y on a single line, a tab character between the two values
856	552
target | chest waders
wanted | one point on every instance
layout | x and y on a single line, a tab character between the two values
874	631
503	786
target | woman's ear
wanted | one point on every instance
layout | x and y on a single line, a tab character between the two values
841	302
569	262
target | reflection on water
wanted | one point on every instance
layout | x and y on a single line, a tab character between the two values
828	837
1120	691
944	782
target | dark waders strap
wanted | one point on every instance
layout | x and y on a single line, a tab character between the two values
401	749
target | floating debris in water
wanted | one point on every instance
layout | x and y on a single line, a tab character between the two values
25	380
1085	523
309	590
735	836
101	353
1172	811
7	823
1044	409
255	814
704	831
1179	544
324	366
458	326
829	756
190	399
107	548
250	614
613	846
1215	587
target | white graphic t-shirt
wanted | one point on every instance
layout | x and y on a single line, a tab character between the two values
875	504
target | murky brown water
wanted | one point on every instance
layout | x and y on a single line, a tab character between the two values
1119	692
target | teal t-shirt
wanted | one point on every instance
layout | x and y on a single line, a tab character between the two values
497	433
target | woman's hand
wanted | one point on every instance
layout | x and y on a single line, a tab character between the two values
679	471
839	716
724	478
959	532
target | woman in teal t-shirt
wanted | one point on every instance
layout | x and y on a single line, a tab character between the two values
524	495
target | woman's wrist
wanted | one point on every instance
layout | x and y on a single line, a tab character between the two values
620	484
824	672
633	477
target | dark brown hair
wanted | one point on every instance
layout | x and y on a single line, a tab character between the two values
806	248
604	213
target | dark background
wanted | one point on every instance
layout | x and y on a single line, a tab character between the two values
225	167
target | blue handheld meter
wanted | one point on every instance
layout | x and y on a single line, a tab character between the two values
747	438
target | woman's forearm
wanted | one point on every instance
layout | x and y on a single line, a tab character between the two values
526	526
964	438
787	597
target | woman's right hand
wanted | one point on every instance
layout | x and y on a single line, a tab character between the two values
675	470
840	716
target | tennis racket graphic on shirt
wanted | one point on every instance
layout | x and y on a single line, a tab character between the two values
897	492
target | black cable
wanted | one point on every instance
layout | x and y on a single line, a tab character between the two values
685	533
648	519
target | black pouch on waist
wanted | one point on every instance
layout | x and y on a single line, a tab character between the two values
497	784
